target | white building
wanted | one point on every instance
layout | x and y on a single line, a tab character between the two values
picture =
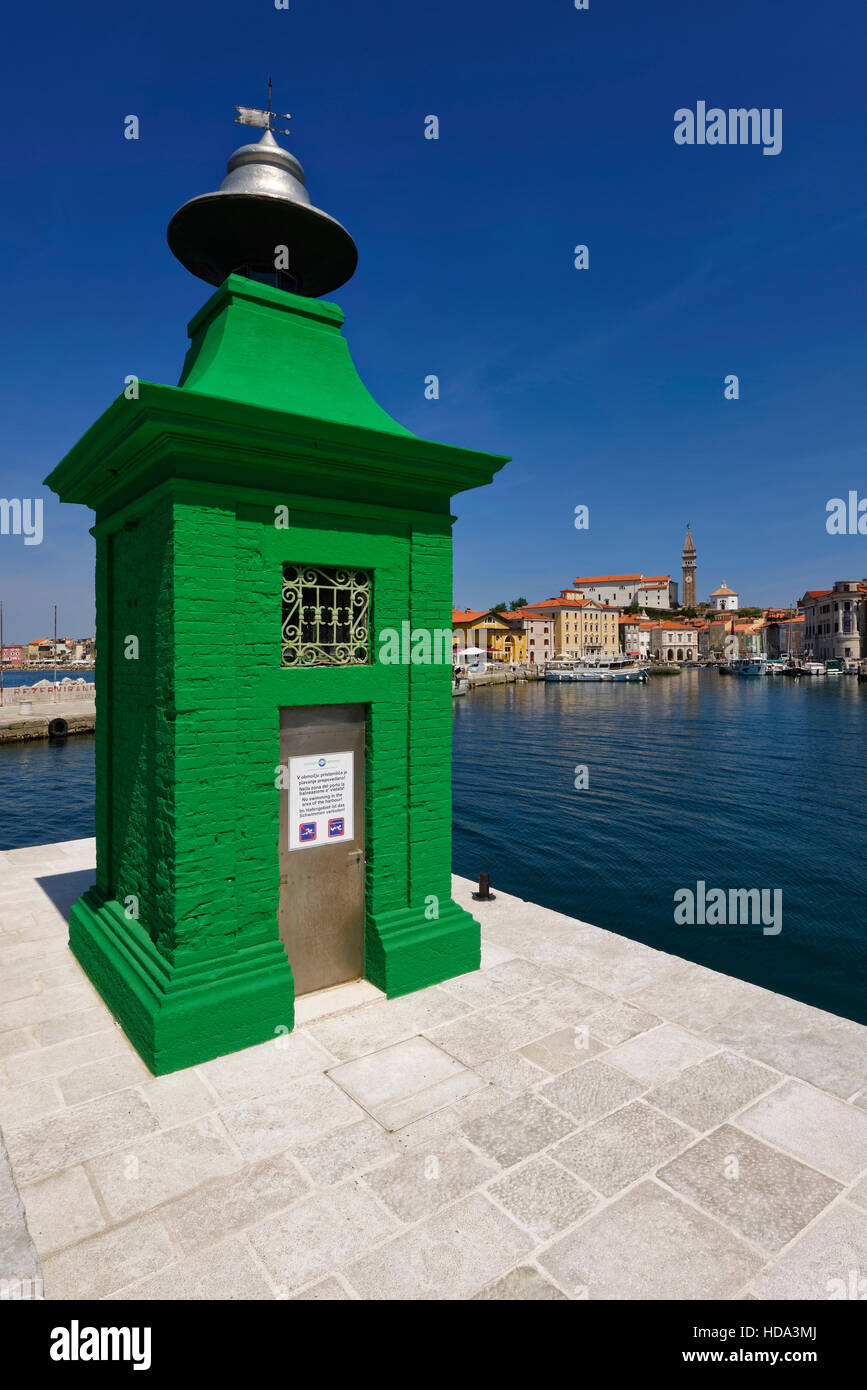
724	599
657	592
635	635
620	590
539	634
835	624
671	641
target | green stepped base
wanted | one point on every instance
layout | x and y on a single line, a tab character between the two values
179	1016
404	951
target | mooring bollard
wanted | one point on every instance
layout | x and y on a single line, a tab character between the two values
484	895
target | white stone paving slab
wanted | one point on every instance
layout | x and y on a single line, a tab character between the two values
828	1262
660	1053
650	1245
405	1082
818	1128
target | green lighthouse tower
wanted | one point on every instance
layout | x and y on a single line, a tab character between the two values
273	806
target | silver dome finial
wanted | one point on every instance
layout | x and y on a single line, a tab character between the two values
261	222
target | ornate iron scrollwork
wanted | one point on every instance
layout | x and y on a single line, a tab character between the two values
326	610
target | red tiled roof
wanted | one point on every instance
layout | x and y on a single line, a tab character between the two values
605	578
663	623
560	603
467	615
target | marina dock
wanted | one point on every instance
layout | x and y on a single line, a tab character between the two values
79	715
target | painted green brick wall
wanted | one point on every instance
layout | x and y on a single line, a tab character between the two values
135	788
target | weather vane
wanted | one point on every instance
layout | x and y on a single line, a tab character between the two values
252	115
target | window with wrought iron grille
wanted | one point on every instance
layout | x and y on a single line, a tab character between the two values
326	616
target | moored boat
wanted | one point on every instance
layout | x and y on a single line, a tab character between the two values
559	670
614	668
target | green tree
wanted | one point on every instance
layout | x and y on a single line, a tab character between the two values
518	603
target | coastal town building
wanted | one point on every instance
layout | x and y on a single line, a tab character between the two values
486	630
669	641
729	637
621	590
724	599
515	640
783	635
635	629
40	649
835	625
749	636
12	656
712	636
537	633
582	628
689	570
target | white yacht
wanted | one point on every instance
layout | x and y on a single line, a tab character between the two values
559	670
610	668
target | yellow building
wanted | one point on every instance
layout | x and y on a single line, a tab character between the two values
515	641
583	628
488	630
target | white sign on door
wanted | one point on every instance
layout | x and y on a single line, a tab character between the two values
320	799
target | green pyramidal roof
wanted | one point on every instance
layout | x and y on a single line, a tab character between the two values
267	347
269	396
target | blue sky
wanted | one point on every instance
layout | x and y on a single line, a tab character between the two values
556	128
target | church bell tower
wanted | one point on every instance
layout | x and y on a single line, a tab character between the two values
688	570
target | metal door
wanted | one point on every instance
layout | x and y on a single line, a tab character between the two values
321	910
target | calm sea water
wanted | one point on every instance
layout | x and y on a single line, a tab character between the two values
46	791
739	783
13	678
742	783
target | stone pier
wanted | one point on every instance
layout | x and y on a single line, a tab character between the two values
584	1118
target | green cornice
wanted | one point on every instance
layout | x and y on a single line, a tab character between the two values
269	400
172	433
